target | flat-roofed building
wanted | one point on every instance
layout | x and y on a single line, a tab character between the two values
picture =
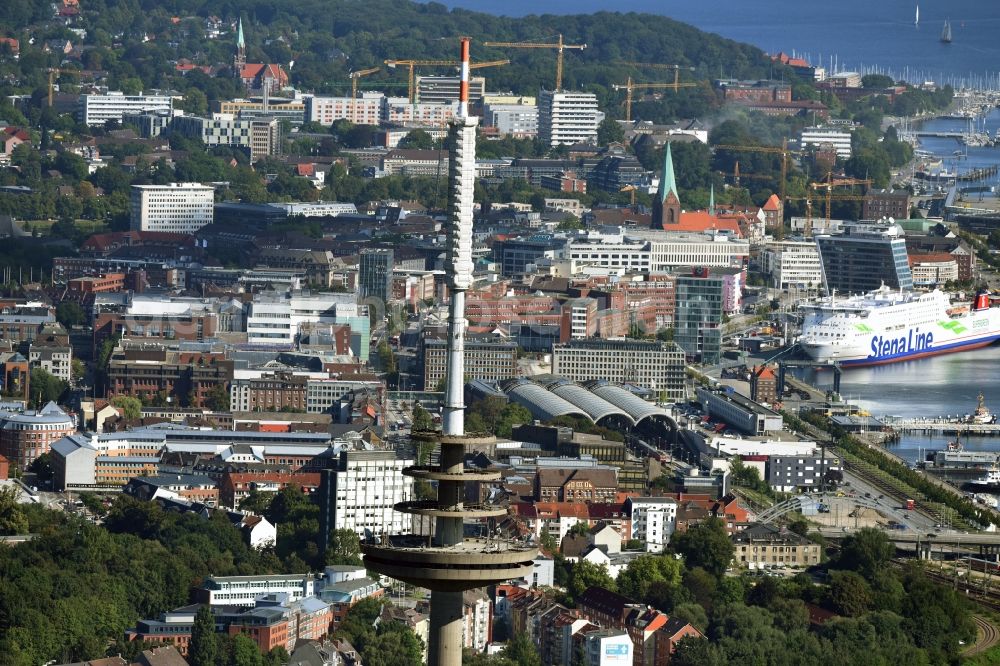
176	207
652	365
95	110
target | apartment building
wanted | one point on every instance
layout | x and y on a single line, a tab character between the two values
760	546
517	120
823	137
399	111
365	110
176	207
653	520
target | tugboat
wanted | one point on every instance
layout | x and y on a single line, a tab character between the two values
982	415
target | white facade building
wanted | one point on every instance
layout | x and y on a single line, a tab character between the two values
637	253
517	120
322	394
607	647
317	208
792	264
276	319
399	111
444	89
365	110
818	137
243	590
653	520
567	117
95	110
476	620
368	484
182	208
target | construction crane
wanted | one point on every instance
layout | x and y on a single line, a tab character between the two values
629	86
807	228
52	79
412	64
775	150
534	45
831	183
354	76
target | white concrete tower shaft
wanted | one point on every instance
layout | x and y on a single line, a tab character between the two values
461	185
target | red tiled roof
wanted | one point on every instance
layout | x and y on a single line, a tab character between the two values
773	203
702	220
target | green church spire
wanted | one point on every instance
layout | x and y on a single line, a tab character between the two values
239	35
667	182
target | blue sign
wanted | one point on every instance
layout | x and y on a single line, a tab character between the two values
912	342
619	650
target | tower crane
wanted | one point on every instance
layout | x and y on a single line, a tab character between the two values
629	86
559	45
807	228
775	150
831	183
52	78
437	63
354	76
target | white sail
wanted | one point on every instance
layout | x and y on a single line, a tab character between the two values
916	21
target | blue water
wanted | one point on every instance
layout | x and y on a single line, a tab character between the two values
844	35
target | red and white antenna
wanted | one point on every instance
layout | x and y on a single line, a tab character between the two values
463	90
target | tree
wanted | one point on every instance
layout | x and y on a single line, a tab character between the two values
569	223
394	645
849	593
647	571
69	314
706	545
867	552
522	651
417	139
204	647
587	574
422	420
610	131
218	398
345	547
42	467
131	407
12	518
256	502
45	387
245	652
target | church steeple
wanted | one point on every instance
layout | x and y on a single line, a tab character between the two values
241	49
667	205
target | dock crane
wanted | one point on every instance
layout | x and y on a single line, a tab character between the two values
629	86
52	78
412	64
775	150
559	45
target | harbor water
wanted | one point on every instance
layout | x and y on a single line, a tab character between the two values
856	35
946	385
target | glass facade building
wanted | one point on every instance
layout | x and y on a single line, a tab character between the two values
698	316
375	274
863	258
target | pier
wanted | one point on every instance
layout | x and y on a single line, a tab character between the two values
944	426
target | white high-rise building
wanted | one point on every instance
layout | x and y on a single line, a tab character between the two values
818	137
653	520
367	485
276	319
95	110
181	208
517	120
792	263
567	117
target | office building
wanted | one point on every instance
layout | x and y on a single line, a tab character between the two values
739	412
485	358
516	120
444	89
863	258
244	590
26	434
399	111
260	137
792	263
653	365
276	319
881	204
95	110
358	491
365	110
177	207
565	118
257	108
375	275
698	316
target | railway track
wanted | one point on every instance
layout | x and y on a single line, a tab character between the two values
987	635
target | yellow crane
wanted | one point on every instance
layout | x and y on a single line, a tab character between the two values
559	45
354	76
412	64
629	86
807	228
52	78
774	150
831	183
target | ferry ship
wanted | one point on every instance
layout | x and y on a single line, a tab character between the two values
886	326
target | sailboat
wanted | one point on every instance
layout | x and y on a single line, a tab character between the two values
916	21
946	33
